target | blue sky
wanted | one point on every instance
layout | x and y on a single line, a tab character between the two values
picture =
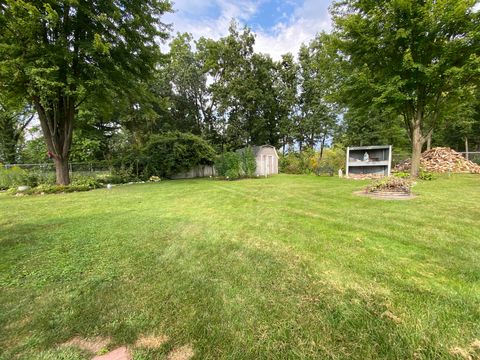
279	26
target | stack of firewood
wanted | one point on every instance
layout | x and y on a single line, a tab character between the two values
442	160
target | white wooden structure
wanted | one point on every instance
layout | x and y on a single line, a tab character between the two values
375	161
266	158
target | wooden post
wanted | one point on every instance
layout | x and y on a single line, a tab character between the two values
347	162
389	159
466	148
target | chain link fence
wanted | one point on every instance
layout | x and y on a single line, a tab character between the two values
84	169
472	156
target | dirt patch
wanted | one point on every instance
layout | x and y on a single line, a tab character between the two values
182	353
462	353
93	345
121	353
389	315
475	345
151	342
385	195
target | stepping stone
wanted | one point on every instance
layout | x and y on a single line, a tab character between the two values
121	353
93	345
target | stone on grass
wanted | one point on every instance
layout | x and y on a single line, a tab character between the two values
121	353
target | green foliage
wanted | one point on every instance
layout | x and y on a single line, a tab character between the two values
391	183
14	177
332	160
426	175
58	53
422	175
298	162
84	149
229	165
79	183
406	61
249	163
402	174
171	153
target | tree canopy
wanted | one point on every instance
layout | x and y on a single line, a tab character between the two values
57	53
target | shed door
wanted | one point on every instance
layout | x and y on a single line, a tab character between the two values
270	164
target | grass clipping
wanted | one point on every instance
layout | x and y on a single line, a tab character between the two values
391	184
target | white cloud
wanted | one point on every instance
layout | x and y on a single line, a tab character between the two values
195	17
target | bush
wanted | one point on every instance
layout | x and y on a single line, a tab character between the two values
229	165
308	161
425	175
332	160
391	183
249	163
297	163
402	174
171	153
15	176
422	175
89	182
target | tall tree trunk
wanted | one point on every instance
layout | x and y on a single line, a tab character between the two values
62	171
429	141
322	146
466	148
56	121
417	144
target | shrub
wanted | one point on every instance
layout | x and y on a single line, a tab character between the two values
425	175
308	161
89	182
249	163
297	163
229	165
171	153
391	183
111	179
402	174
422	175
15	176
332	160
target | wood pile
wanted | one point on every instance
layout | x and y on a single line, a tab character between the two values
442	160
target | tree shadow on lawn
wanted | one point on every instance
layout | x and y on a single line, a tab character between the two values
230	299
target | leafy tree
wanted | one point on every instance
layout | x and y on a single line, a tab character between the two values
286	90
317	122
15	116
242	89
171	153
56	53
191	105
408	56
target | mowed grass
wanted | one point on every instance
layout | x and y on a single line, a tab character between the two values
290	267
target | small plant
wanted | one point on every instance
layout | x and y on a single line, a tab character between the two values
426	175
391	183
402	174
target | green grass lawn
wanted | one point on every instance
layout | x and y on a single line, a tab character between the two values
290	267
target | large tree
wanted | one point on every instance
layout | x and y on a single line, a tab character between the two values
15	116
407	56
56	53
242	89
